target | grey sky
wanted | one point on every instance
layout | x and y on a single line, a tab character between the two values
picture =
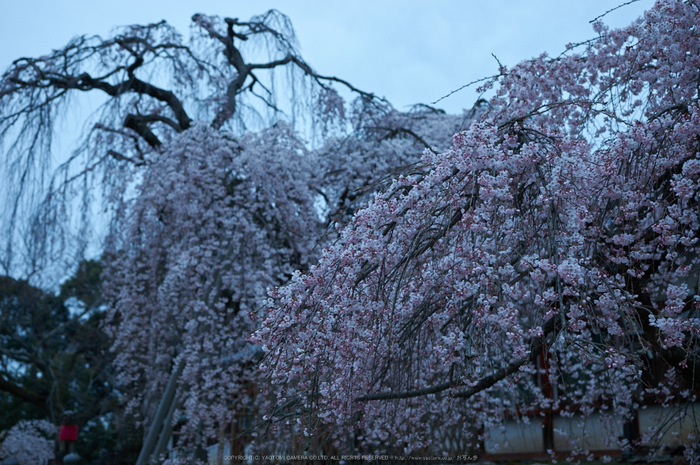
410	51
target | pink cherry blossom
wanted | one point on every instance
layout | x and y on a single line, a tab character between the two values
563	222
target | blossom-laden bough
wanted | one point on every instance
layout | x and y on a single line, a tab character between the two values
562	227
216	221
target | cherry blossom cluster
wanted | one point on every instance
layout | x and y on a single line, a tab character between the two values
29	442
536	265
214	222
383	142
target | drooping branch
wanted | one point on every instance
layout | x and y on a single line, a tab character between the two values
167	97
85	82
536	346
394	132
320	78
244	70
33	88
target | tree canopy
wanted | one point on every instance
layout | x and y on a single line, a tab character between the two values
563	224
403	274
209	192
156	85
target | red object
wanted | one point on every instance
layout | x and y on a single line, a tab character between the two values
68	433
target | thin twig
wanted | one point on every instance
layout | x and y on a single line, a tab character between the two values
465	85
611	10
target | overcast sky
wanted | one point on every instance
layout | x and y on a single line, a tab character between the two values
409	51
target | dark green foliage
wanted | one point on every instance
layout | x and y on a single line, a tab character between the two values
54	357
